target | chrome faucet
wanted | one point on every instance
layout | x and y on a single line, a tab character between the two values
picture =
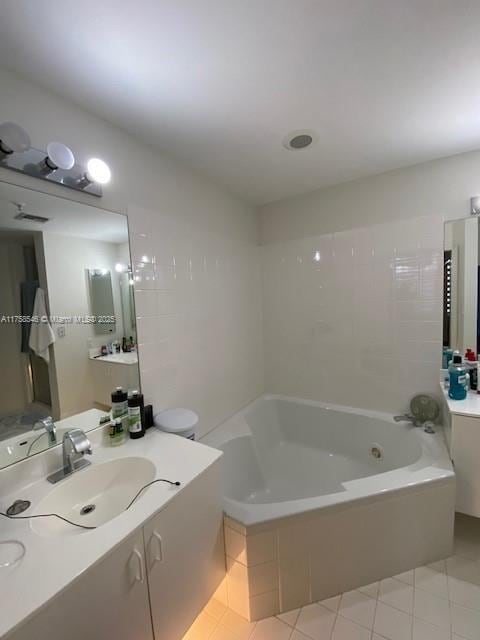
407	418
75	445
49	426
427	426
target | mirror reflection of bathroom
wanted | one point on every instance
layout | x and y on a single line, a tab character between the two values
70	263
461	281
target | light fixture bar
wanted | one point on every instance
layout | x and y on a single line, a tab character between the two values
57	164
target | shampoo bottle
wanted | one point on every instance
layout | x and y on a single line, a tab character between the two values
136	418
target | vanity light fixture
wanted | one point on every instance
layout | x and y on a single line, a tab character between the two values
97	171
13	139
59	156
56	165
475	205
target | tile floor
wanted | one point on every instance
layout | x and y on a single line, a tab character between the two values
440	601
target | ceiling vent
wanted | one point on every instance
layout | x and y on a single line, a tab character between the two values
300	139
23	215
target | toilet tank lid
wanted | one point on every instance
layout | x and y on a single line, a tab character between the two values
176	420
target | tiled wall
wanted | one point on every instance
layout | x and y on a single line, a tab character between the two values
198	307
355	317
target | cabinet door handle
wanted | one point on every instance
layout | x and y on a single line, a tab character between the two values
140	576
158	557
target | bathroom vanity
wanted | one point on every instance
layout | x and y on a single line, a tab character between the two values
143	573
113	370
462	433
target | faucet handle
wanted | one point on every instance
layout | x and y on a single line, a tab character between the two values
79	441
405	418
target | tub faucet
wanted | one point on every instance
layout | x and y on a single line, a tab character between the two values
427	426
407	418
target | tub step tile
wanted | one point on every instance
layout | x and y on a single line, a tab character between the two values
316	622
397	594
431	609
464	593
465	622
463	569
331	603
358	607
430	580
391	623
425	631
241	627
406	576
271	629
289	617
370	589
346	630
297	635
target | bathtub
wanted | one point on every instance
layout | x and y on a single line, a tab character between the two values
320	499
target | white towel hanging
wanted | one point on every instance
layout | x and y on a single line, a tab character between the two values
41	333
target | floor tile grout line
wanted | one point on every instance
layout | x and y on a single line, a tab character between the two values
375	612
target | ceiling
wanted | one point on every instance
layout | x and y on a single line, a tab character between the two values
66	217
219	83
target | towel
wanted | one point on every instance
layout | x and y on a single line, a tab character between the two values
41	333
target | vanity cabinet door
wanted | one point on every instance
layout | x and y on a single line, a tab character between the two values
185	556
108	602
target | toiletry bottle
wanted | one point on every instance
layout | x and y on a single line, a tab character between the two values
116	432
470	356
448	357
119	403
458	379
478	374
136	426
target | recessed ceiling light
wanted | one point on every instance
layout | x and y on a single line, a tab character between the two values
300	139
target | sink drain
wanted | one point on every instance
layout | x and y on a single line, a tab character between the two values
88	508
19	506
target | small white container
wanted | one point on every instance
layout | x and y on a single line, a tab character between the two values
181	422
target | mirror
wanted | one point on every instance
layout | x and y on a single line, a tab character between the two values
461	279
68	266
101	300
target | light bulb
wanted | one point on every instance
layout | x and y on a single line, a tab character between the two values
98	171
59	156
13	138
121	268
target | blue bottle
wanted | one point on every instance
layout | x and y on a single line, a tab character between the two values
446	357
458	379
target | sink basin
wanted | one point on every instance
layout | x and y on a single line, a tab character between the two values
93	496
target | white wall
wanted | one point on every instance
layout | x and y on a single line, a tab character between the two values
363	326
163	198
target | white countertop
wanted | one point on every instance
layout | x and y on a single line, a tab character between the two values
468	407
51	562
118	358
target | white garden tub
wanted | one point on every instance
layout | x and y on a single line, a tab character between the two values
339	497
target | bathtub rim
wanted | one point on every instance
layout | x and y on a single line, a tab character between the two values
436	468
